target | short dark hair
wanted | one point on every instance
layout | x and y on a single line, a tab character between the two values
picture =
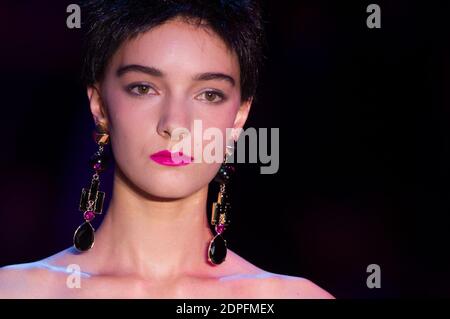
109	23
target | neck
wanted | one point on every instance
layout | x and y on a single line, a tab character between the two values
153	237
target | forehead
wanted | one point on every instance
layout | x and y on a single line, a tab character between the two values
178	47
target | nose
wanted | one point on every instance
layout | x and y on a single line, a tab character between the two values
174	121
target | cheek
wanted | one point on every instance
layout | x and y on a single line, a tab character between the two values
220	117
123	111
129	125
216	125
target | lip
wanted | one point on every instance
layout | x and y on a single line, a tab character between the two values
168	158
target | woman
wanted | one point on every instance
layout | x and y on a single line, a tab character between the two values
153	67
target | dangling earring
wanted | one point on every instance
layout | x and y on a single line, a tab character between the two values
220	216
91	201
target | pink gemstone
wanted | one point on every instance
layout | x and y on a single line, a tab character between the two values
220	228
89	215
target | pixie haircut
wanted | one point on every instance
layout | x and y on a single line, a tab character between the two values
108	24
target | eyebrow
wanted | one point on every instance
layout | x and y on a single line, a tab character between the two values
208	76
214	76
139	68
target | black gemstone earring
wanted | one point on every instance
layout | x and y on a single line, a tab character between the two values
91	201
220	216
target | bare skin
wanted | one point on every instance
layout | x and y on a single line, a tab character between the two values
109	272
153	240
234	279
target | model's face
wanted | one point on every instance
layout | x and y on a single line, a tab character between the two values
170	88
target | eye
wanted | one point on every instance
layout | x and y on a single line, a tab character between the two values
212	96
140	89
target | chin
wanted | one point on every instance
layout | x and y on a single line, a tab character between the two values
168	191
166	186
166	183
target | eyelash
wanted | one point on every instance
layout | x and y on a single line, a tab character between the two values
131	87
217	93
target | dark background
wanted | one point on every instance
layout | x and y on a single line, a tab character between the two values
364	155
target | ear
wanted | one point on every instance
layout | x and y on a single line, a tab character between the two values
98	108
241	118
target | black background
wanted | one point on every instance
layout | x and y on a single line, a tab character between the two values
364	144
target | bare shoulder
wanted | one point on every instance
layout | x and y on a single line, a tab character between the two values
23	281
290	287
259	283
31	280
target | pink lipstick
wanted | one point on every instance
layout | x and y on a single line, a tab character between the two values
165	157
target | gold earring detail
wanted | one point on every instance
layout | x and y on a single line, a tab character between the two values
91	201
217	250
